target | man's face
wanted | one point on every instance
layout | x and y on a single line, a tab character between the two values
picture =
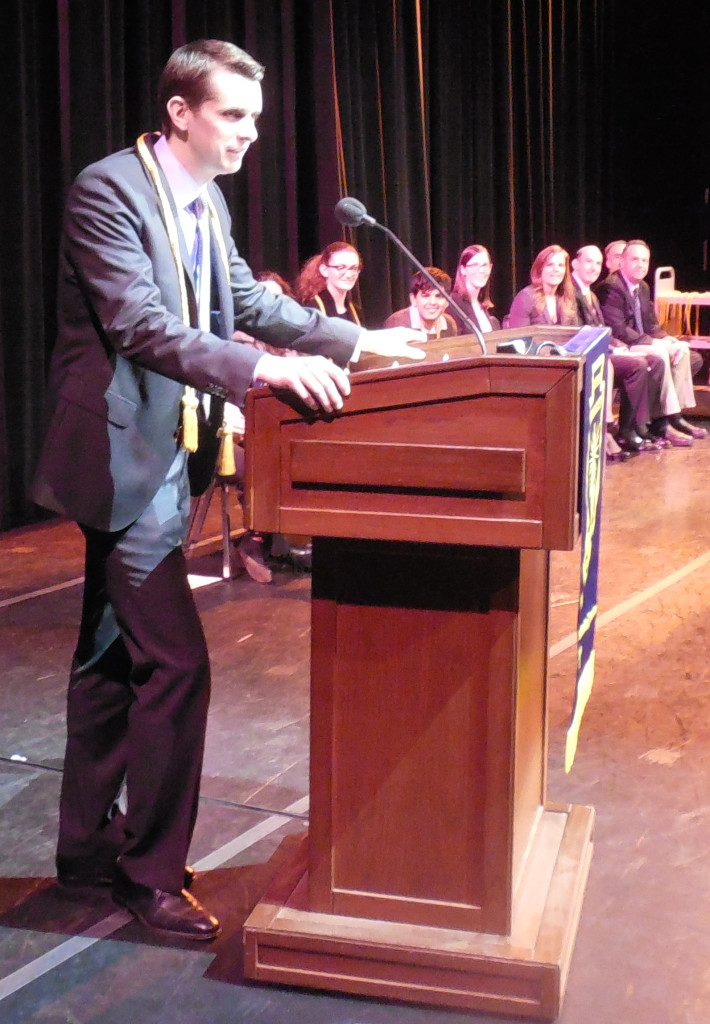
218	133
430	303
613	257
588	264
634	263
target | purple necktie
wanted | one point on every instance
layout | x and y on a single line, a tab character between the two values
638	319
196	208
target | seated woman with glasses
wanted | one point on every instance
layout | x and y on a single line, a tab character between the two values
472	292
549	298
326	280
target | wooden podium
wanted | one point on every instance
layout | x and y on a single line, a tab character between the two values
434	870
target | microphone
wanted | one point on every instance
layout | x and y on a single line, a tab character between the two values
352	213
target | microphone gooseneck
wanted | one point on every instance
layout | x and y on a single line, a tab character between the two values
352	213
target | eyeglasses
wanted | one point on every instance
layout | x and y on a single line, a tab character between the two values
477	266
342	268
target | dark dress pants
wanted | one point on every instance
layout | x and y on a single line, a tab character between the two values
631	375
138	698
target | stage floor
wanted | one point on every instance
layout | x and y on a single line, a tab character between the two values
643	945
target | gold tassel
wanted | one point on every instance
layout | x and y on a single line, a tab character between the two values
189	419
226	465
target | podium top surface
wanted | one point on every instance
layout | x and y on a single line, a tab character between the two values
458	449
467	346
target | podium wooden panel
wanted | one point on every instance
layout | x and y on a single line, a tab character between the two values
434	870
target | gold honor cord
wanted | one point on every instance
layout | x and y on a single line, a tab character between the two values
226	465
321	307
189	398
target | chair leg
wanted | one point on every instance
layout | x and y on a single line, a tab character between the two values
198	514
226	531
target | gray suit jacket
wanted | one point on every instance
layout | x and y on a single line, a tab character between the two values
123	353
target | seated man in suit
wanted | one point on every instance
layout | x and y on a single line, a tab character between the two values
427	305
634	373
628	310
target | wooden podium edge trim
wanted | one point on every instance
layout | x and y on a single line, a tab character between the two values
287	945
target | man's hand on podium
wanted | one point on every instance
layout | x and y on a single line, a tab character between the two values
393	343
319	382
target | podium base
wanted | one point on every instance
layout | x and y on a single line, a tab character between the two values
522	974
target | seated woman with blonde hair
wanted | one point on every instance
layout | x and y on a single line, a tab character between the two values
327	279
549	298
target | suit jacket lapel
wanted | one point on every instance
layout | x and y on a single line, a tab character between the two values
594	301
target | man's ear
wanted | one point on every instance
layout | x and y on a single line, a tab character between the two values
412	297
178	109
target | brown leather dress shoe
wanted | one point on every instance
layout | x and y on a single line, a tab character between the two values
178	915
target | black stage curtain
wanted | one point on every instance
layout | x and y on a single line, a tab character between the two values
514	123
473	122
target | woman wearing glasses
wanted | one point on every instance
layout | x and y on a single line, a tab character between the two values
326	280
471	290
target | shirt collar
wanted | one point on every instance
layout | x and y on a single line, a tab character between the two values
417	325
182	185
632	287
584	288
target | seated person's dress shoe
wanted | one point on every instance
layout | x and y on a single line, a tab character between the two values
660	434
621	456
252	556
678	440
678	422
654	442
629	440
96	873
178	915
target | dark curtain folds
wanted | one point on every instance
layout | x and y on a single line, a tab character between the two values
380	100
31	189
484	127
514	123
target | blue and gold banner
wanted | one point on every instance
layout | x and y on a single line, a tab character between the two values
591	342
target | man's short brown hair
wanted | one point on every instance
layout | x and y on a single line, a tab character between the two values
190	67
421	283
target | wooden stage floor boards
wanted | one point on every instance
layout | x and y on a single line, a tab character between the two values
643	762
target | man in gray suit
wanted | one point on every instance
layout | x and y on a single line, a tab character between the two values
151	289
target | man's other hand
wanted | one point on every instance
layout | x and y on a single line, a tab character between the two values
393	343
318	382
